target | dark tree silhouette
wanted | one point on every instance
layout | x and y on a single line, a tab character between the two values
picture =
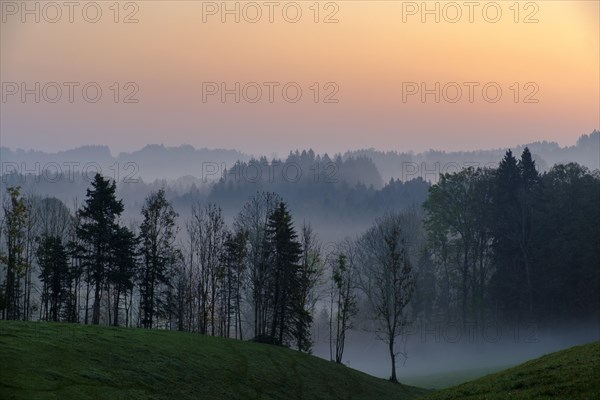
157	237
99	217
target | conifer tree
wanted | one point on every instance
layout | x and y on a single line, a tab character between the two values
99	225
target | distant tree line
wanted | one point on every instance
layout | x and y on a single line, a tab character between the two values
319	188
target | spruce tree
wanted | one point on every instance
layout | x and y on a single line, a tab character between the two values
55	276
98	228
284	277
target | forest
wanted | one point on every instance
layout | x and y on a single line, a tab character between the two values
506	243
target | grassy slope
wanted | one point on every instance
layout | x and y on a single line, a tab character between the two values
60	361
569	374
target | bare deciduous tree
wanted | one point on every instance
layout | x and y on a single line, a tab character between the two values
343	295
386	278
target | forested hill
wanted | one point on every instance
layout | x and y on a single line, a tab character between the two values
162	162
150	163
407	165
336	195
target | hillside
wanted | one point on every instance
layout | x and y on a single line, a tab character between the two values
69	361
568	374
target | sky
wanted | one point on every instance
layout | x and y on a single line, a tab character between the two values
268	77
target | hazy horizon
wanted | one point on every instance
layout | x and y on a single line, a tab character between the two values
284	153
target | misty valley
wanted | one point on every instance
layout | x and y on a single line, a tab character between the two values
425	282
299	200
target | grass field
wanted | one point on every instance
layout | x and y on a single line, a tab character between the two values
69	361
569	374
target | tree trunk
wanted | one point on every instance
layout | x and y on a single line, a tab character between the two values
393	378
465	270
96	306
87	299
116	306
